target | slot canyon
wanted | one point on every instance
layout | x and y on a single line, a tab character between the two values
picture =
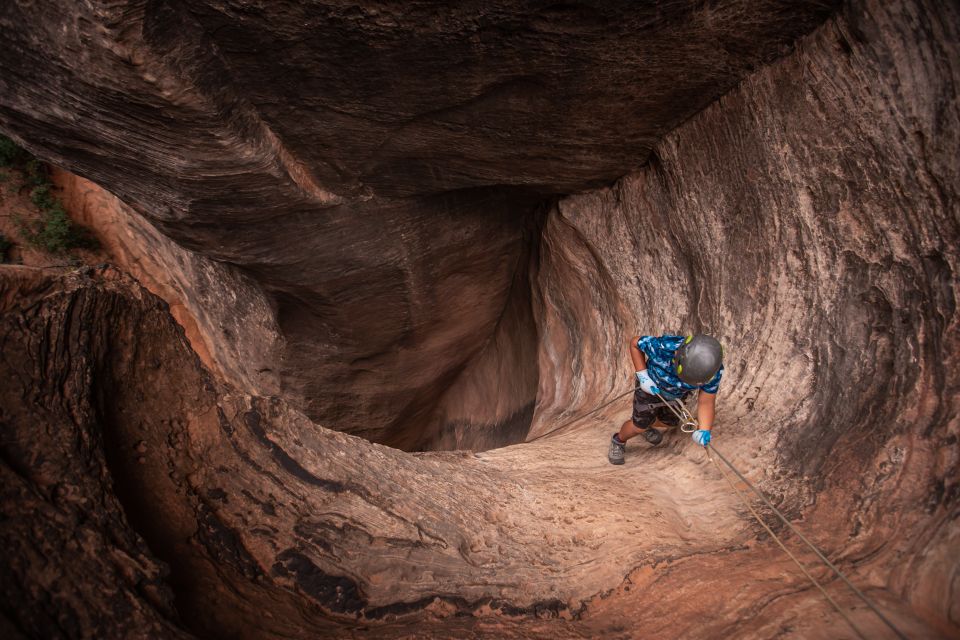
355	339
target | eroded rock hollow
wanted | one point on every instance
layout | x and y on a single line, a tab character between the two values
393	254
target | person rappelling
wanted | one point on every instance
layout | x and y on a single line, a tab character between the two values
668	368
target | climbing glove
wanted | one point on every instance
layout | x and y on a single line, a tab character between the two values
646	383
701	437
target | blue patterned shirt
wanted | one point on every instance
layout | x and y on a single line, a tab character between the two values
659	352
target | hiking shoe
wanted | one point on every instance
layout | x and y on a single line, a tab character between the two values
653	436
615	453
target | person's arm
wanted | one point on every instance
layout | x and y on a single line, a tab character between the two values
637	356
640	366
706	409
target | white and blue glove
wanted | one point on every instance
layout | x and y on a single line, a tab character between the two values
646	383
701	437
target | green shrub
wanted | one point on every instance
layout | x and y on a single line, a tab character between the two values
4	248
54	232
37	174
43	198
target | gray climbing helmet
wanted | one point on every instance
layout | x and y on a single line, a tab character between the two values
698	359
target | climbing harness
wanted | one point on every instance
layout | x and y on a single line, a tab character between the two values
688	420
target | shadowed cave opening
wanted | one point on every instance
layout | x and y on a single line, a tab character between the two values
485	398
359	300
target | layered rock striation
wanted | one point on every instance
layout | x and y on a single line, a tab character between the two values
354	261
145	455
371	170
810	225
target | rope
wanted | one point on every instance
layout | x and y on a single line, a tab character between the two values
589	413
812	547
686	418
781	545
684	415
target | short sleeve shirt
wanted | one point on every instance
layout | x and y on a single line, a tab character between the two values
659	352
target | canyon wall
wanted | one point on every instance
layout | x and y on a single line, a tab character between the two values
219	327
370	169
808	218
162	500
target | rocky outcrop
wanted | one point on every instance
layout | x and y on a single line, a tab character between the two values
807	218
168	502
234	333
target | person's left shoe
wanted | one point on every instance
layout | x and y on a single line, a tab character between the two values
652	436
615	453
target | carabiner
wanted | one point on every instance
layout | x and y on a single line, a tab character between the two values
688	424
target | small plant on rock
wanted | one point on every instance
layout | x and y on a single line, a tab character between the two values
36	174
54	232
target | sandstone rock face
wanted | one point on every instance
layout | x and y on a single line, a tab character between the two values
820	239
371	169
290	512
404	280
217	326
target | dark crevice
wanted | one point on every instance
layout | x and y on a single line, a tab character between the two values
143	517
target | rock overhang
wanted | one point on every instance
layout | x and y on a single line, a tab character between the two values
372	170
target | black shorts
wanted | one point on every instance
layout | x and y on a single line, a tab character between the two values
647	408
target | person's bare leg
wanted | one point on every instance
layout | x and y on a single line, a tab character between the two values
629	430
